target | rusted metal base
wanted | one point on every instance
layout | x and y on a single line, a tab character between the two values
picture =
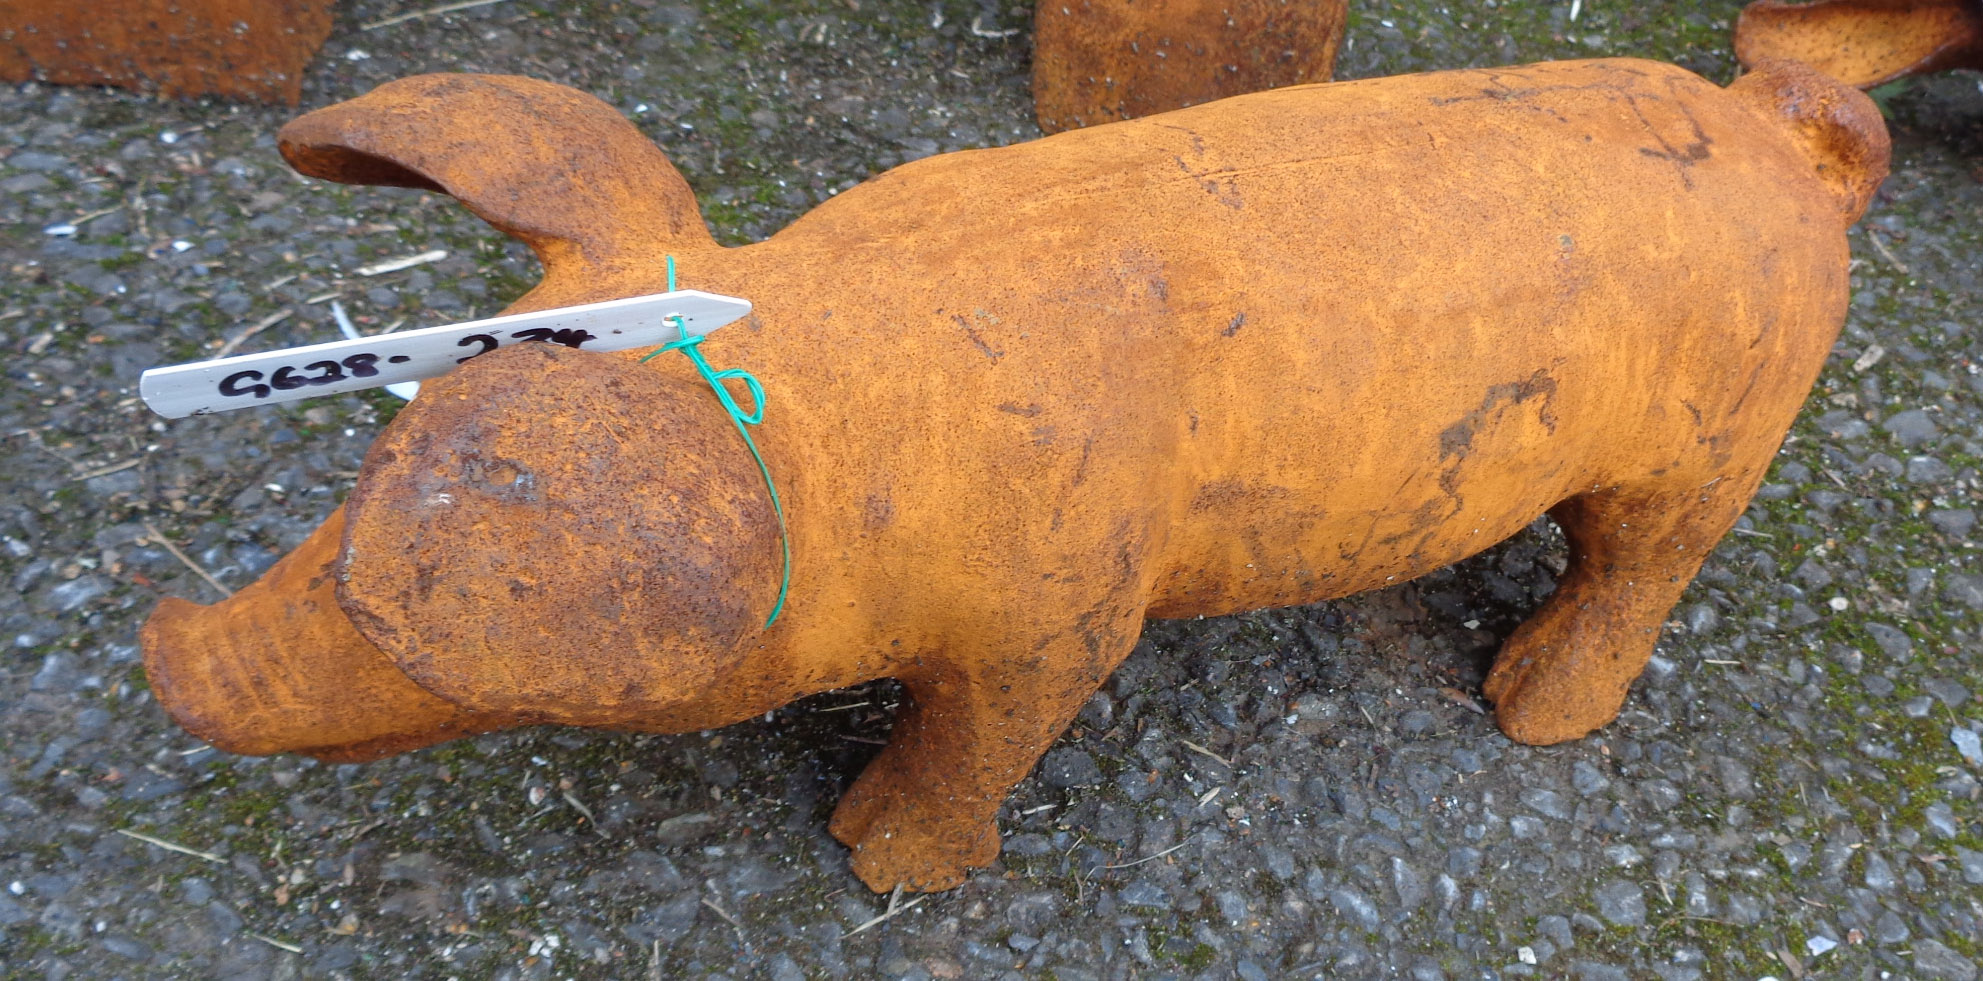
1864	42
1100	61
239	49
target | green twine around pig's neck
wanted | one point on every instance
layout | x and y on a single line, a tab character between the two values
742	420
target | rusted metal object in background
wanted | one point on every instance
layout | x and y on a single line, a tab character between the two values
238	49
1101	61
1864	42
1022	399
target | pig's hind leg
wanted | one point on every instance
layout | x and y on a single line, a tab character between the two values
1633	550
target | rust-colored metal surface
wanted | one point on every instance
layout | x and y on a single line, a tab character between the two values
1100	61
238	49
1864	42
539	513
1022	399
285	664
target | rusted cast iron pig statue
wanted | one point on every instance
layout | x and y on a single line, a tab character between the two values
1268	351
1864	42
1099	61
241	49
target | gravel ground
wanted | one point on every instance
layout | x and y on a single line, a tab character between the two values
1311	792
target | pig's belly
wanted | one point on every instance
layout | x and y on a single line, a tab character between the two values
1283	538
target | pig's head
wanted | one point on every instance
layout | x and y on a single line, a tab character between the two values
544	535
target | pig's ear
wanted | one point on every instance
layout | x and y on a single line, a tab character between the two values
563	535
552	166
1838	128
1863	43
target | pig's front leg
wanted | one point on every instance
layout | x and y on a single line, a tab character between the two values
924	811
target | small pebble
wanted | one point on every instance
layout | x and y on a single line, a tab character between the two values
1968	744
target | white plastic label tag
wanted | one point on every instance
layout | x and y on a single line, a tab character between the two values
369	362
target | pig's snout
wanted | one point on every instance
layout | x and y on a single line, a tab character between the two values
278	668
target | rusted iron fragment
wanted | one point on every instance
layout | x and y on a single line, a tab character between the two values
1023	399
1100	61
239	49
1864	42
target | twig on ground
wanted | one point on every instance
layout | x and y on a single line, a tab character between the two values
725	914
1880	246
978	29
403	262
277	944
255	328
1194	747
582	809
170	847
446	8
1463	700
184	559
363	831
1151	858
136	199
80	220
1080	877
895	906
107	471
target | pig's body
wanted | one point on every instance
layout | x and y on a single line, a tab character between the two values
1268	351
1564	296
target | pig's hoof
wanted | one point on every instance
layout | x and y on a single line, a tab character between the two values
855	813
921	856
1541	698
1542	728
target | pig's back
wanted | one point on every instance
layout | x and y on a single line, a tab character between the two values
1369	326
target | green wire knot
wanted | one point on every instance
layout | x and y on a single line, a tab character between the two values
740	419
